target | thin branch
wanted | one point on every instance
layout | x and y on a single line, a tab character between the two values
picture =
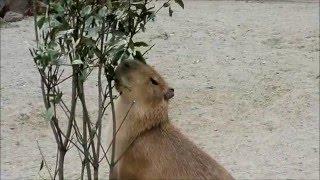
44	160
77	147
71	137
59	77
73	109
35	21
56	166
125	117
125	150
76	72
86	122
154	14
148	49
41	176
77	131
100	104
104	156
98	123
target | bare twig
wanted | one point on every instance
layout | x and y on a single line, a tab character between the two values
35	21
154	14
104	156
148	49
89	157
100	105
125	150
86	122
56	166
125	117
73	110
44	160
114	126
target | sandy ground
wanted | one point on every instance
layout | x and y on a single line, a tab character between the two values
246	77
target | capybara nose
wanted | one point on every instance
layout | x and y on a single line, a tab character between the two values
169	94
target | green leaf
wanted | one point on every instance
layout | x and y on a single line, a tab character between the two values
141	43
41	165
131	44
170	11
152	16
32	54
166	4
142	27
57	98
180	2
97	52
41	21
103	11
57	8
139	57
77	61
49	113
85	11
140	6
125	55
117	56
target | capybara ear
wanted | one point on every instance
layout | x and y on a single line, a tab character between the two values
169	94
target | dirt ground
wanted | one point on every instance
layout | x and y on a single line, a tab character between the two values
246	77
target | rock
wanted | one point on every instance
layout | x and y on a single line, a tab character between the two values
19	6
2	22
24	116
24	7
12	17
2	4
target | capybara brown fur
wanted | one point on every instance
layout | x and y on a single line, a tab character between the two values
148	145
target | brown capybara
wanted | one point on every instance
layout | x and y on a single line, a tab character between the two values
148	146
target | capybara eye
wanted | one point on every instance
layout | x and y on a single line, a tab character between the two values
154	82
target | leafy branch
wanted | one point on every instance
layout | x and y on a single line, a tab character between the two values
81	37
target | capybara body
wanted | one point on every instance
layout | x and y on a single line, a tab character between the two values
148	146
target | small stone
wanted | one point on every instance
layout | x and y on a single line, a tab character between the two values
196	62
12	16
24	116
165	36
210	87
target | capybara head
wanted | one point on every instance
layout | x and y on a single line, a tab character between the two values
139	82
